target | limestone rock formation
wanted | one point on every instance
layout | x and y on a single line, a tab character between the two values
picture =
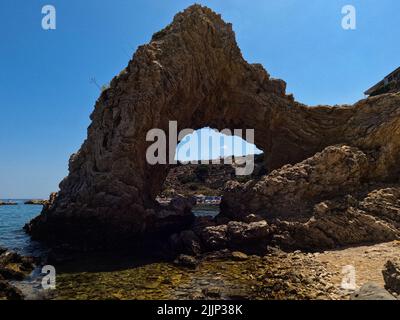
13	267
391	274
294	190
193	72
322	202
8	203
250	237
36	202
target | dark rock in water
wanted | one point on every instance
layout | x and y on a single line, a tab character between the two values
186	261
224	254
239	256
186	242
372	291
391	275
36	202
9	292
14	266
9	203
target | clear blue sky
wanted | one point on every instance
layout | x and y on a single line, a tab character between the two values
46	94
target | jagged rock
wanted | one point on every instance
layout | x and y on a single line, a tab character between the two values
186	261
36	202
252	218
8	203
186	242
250	237
239	256
215	237
334	229
391	275
9	292
295	194
384	204
14	266
193	72
293	190
241	232
372	291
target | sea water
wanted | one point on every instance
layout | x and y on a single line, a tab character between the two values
12	221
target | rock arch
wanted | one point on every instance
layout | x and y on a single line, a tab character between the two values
192	72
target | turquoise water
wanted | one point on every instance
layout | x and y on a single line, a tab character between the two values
12	220
202	211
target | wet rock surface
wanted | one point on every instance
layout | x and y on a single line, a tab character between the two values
186	261
13	267
218	275
8	291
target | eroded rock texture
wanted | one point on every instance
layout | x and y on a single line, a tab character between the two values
193	72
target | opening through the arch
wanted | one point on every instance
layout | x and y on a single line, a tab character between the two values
206	160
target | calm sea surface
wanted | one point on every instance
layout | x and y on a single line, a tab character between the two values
13	219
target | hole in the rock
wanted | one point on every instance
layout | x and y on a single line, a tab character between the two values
206	161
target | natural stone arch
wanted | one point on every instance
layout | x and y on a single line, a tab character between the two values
191	72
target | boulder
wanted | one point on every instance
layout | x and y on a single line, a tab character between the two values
371	291
293	190
241	232
9	292
249	237
391	275
36	202
186	261
215	237
239	256
14	266
8	203
186	242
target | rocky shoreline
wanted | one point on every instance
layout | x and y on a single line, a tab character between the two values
222	274
13	267
8	203
36	202
227	274
329	180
